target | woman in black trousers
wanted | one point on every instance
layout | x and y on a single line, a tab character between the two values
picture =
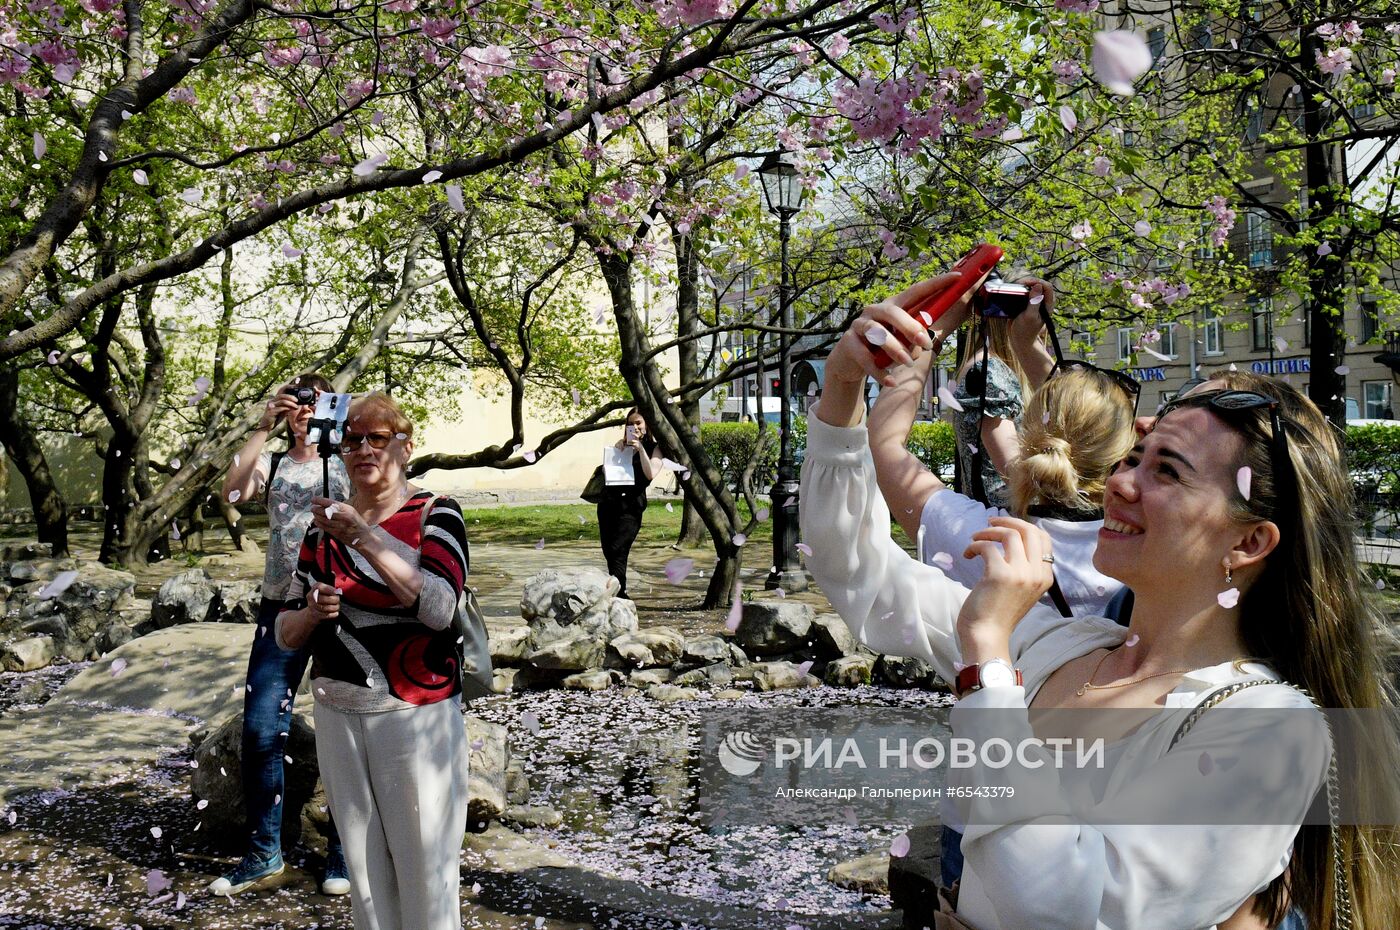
620	510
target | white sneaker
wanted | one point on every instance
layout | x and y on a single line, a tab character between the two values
245	876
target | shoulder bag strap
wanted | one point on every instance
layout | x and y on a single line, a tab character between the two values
277	458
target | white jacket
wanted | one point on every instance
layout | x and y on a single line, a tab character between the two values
1051	872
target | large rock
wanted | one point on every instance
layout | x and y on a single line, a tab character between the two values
239	601
189	597
644	678
718	675
831	638
488	757
563	604
850	671
705	650
769	628
670	694
27	655
509	646
778	676
577	653
598	679
904	671
74	617
868	874
218	779
648	648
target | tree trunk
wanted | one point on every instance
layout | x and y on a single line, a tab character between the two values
704	483
22	445
118	495
687	323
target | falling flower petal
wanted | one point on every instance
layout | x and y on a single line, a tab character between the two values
203	803
736	609
530	721
804	549
899	846
530	456
156	832
1132	641
1280	344
118	666
1380	586
12	817
58	585
949	401
40	146
156	882
739	539
805	667
431	176
140	177
1343	370
1068	118
1324	248
779	593
670	508
1228	598
1205	764
761	515
292	251
454	198
943	561
1155	354
180	901
1012	134
677	570
1119	58
191	195
53	357
574	393
540	544
877	335
234	495
673	466
1142	228
367	167
1243	478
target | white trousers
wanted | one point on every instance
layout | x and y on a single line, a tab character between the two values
397	782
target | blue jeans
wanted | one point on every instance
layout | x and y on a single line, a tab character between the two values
267	717
950	858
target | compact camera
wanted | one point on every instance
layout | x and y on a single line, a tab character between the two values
306	396
998	298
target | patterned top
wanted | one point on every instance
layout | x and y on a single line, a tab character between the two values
288	500
380	655
1004	401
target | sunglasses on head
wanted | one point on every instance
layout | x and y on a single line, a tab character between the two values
352	441
1227	404
1120	379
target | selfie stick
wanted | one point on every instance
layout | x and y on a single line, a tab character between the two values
971	269
324	431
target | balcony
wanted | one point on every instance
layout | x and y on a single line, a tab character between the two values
1390	357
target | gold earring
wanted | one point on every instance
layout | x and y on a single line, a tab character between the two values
1228	578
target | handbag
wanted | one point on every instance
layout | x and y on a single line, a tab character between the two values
478	679
593	491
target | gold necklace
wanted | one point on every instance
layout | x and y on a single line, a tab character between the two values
1090	686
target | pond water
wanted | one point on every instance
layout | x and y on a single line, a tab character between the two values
621	768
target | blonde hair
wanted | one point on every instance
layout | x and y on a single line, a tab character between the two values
1309	616
996	332
379	409
1076	428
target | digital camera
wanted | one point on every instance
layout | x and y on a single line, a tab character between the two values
998	298
306	396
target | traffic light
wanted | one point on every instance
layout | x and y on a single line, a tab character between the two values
774	385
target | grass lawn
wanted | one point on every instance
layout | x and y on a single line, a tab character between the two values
528	523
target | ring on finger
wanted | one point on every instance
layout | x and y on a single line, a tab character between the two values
1047	557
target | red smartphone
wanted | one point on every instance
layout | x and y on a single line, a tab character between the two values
971	269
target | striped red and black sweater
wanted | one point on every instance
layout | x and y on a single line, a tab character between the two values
381	655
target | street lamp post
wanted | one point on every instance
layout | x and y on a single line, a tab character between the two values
782	188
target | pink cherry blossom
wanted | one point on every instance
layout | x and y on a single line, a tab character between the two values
1101	167
370	165
1336	62
677	570
439	29
1067	71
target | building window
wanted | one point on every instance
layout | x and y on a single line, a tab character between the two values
1261	323
1307	328
1376	398
1201	36
1259	239
1081	342
1370	320
1125	343
1157	43
1254	122
1363	110
1168	344
1215	333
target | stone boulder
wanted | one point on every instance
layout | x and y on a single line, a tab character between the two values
644	678
218	779
670	694
904	671
488	758
74	617
239	601
868	874
769	628
577	653
563	604
651	648
831	638
189	597
779	676
705	650
27	655
508	646
850	671
718	675
598	679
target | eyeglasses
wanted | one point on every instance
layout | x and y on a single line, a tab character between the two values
1119	378
1229	403
351	443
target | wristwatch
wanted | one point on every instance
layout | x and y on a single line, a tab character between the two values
994	673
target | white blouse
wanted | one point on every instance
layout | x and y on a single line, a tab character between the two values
1053	872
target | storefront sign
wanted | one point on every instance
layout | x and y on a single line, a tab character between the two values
1281	366
1148	374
